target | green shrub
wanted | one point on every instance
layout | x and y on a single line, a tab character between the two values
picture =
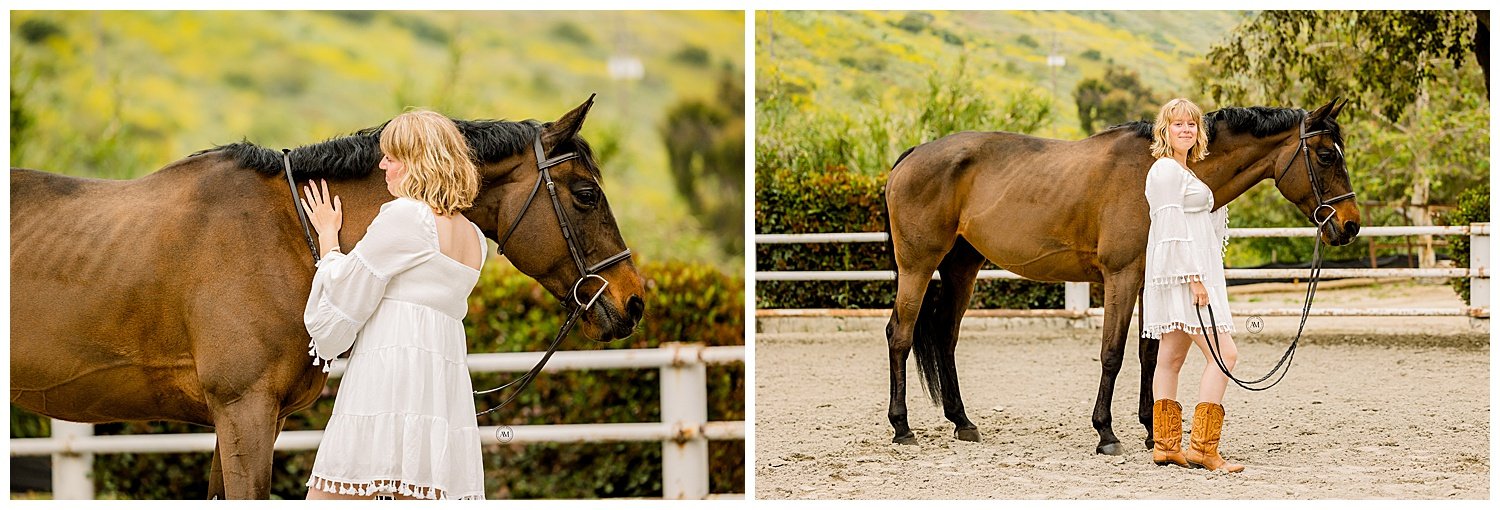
1473	207
508	312
838	200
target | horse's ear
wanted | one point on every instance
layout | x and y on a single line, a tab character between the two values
567	126
1334	113
1326	111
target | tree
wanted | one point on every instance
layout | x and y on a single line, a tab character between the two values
1306	57
706	153
1418	88
1118	97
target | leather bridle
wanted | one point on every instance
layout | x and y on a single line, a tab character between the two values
1312	176
1284	365
585	272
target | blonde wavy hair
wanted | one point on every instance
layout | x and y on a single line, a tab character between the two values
1174	109
439	168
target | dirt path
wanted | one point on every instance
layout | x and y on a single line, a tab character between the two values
1368	412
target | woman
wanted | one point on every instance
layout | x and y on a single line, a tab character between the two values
403	423
1185	271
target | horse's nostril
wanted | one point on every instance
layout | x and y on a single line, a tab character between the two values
1351	228
635	308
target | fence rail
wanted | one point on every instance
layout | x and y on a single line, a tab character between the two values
684	429
1076	294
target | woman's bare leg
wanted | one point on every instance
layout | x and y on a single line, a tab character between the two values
1170	354
1214	381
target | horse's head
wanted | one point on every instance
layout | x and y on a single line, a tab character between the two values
538	247
1311	173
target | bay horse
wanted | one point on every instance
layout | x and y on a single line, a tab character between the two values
178	295
1074	211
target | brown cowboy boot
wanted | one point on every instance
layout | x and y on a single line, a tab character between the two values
1166	432
1203	446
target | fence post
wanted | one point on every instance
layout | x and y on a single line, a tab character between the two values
1076	300
1479	262
684	408
71	471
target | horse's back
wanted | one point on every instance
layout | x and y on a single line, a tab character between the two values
1031	205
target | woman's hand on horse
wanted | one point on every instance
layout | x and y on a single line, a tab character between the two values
1200	293
326	212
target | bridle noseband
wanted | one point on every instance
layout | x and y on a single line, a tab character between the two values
1312	176
585	272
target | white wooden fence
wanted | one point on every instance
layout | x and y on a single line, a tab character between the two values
684	430
1076	294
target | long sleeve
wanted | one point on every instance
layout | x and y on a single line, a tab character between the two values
347	288
1171	260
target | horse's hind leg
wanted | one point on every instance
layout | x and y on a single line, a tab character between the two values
1120	289
911	287
958	269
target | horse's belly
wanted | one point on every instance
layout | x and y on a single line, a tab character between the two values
1047	264
75	357
93	392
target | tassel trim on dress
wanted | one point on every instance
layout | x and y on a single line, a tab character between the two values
382	486
1157	330
1167	281
316	359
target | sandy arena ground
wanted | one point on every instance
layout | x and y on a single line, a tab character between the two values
1373	409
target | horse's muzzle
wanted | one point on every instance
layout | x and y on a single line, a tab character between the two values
1340	236
611	324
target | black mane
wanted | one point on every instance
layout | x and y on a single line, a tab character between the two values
358	154
1258	121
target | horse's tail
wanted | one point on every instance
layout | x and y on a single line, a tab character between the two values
927	343
928	347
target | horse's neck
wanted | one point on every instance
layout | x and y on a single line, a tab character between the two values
1234	173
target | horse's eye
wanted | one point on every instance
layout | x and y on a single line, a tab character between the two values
586	196
1325	157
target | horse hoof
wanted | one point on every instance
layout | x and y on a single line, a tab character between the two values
1150	443
1110	449
967	434
907	438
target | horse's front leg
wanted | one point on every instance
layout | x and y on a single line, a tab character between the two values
246	429
1120	290
216	474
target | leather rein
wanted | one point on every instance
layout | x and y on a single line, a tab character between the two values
1284	365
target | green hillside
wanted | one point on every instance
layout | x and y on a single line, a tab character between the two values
120	94
833	61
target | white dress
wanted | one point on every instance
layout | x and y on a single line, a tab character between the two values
403	421
1186	244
